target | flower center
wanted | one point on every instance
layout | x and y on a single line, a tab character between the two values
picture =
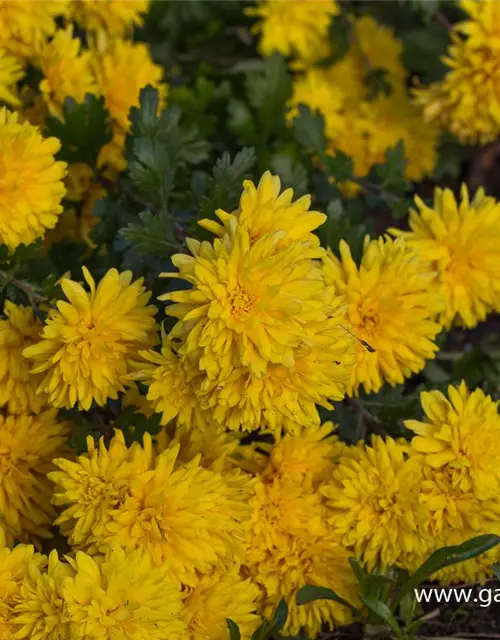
242	303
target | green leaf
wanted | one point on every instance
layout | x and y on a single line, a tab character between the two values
311	593
360	573
309	130
234	630
269	629
241	121
339	166
152	235
268	93
340	36
152	170
83	130
390	175
382	612
292	173
445	557
496	570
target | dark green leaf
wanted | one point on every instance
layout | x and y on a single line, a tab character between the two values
292	173
309	130
83	130
445	557
382	612
234	631
268	629
311	593
152	235
339	166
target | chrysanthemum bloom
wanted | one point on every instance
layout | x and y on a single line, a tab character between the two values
25	25
217	597
466	101
141	498
171	383
41	613
14	568
361	126
17	386
293	27
115	17
92	486
373	503
250	304
461	433
305	458
32	184
122	69
393	303
263	209
460	240
28	445
122	596
289	547
87	343
67	71
11	71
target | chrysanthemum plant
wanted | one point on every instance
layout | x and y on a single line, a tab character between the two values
239	273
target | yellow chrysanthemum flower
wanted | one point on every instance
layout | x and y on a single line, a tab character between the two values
41	612
32	188
355	123
93	485
460	240
11	71
25	25
17	386
249	304
29	443
466	100
392	305
171	386
122	596
122	70
288	547
462	433
217	597
14	568
139	498
116	17
263	209
67	71
87	343
293	27
373	503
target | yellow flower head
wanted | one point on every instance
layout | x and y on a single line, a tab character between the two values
67	71
466	100
392	305
122	70
289	546
171	386
116	17
250	304
139	498
87	343
15	566
461	434
460	240
41	612
93	486
373	502
122	596
11	71
32	186
263	209
17	386
216	597
293	27
306	458
25	25
28	445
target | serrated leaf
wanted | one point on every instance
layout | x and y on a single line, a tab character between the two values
152	235
340	166
234	630
445	557
292	173
83	129
309	129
